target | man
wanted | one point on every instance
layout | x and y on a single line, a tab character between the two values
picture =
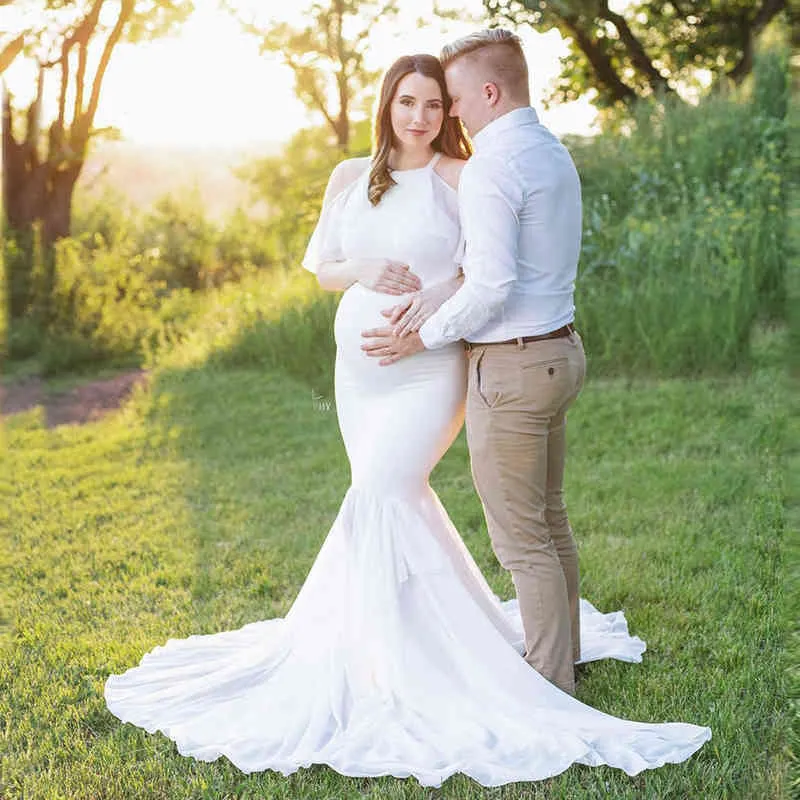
520	208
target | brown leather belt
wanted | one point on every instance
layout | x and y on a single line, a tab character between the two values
564	330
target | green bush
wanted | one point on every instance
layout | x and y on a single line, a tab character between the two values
244	246
24	339
684	233
104	305
127	284
109	219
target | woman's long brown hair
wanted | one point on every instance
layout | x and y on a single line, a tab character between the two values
451	140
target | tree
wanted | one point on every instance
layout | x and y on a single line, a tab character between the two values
326	56
651	47
72	41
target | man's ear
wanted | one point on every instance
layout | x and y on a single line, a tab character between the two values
492	93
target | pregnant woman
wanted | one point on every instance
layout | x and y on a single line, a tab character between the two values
395	658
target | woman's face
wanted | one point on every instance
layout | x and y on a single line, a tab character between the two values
417	111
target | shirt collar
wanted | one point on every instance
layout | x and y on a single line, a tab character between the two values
512	119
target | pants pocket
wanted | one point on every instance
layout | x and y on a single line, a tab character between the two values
484	395
549	384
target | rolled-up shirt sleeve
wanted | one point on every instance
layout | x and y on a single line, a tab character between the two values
489	201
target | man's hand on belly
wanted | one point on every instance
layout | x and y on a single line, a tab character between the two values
382	343
413	312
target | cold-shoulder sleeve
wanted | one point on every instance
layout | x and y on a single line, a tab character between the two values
325	243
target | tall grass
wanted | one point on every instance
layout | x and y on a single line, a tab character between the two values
282	321
685	231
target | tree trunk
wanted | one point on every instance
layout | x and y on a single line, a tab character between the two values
57	212
343	129
35	192
636	52
10	52
24	189
602	65
749	31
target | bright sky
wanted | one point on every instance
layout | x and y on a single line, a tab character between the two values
210	86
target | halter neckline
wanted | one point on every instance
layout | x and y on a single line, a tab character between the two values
429	165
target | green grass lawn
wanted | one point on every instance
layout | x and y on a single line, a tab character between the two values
202	504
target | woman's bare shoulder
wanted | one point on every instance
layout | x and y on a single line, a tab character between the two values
350	168
345	173
449	169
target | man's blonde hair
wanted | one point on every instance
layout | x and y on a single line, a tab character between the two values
499	52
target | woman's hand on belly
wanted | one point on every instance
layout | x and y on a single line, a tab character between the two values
377	274
387	277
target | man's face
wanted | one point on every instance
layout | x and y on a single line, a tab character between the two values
465	87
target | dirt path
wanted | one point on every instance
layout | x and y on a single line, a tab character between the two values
83	403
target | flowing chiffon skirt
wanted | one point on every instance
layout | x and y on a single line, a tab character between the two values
396	658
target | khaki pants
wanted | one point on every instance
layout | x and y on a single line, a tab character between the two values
516	430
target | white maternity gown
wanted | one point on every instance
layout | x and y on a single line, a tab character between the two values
396	658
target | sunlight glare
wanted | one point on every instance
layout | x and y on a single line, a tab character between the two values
208	85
